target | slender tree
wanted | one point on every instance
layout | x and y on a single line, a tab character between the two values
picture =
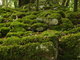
67	3
30	5
37	5
63	2
75	5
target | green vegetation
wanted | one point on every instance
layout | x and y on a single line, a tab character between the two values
39	30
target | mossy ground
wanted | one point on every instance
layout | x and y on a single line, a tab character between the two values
33	35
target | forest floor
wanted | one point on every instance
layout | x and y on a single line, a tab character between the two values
39	35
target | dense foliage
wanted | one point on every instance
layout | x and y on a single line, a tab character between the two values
39	30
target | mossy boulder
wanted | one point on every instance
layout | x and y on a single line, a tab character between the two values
73	31
74	17
17	26
66	24
39	27
4	31
70	45
20	34
30	17
1	19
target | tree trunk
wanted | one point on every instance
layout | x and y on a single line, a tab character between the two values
67	3
37	5
63	2
30	5
57	49
20	3
75	5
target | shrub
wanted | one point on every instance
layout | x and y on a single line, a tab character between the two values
47	36
7	14
11	40
5	24
8	24
1	41
0	35
1	19
27	27
18	14
2	25
30	17
6	20
54	16
16	24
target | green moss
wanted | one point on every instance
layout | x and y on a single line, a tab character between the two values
17	26
20	34
4	31
74	17
29	51
66	24
73	31
39	27
70	45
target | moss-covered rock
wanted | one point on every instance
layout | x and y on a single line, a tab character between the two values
66	24
30	17
73	31
17	26
70	46
74	17
20	34
29	51
39	27
4	31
